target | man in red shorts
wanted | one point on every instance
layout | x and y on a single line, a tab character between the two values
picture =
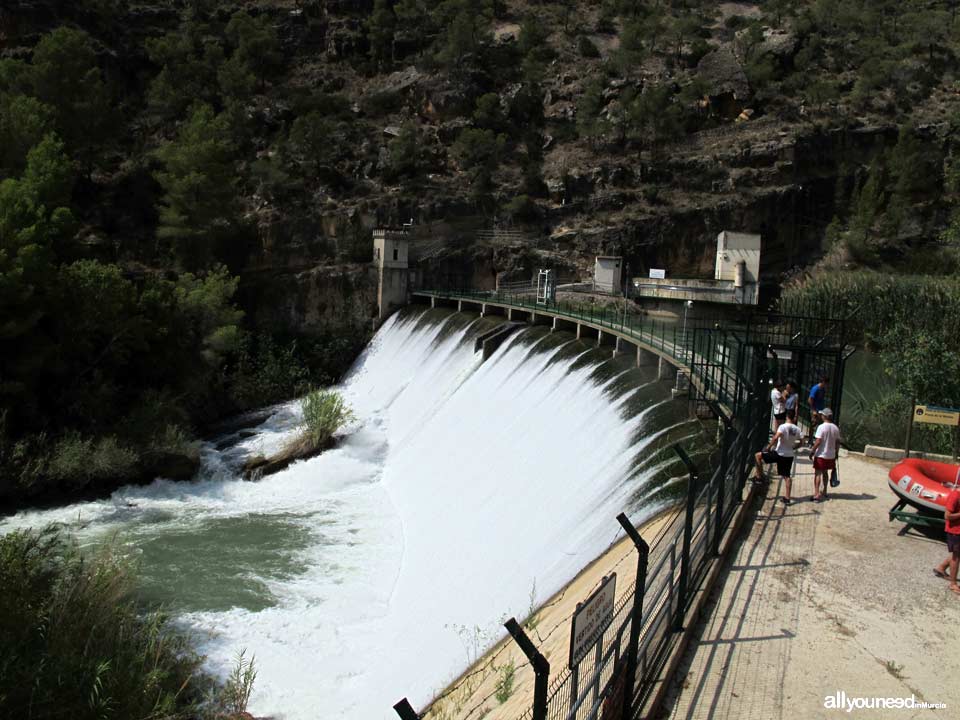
951	523
824	454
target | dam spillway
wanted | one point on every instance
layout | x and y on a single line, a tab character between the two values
382	567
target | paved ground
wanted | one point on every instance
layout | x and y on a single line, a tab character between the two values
821	598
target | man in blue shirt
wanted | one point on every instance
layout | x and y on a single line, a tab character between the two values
817	402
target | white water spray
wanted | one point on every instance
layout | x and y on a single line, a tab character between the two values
460	484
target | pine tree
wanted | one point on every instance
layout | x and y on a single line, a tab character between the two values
381	26
66	77
198	205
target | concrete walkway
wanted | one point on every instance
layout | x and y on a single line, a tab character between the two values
821	598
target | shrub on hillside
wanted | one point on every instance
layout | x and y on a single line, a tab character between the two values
587	47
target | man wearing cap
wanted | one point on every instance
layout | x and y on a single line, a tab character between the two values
824	453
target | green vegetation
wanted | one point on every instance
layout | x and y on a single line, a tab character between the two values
141	174
324	413
76	644
913	323
505	679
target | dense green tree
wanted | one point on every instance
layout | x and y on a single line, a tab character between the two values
198	206
24	121
34	218
381	26
633	49
236	80
910	174
479	153
406	152
467	25
414	21
590	122
314	140
15	77
534	39
655	116
820	92
255	44
866	204
66	77
488	114
189	58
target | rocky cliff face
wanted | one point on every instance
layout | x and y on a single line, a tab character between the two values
754	153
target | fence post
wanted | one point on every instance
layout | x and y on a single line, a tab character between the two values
541	668
643	554
405	711
687	536
728	432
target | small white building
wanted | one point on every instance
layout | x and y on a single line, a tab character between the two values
607	273
736	276
390	248
390	256
738	258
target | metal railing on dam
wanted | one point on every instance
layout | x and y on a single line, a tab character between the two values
730	365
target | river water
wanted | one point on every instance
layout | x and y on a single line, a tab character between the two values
463	493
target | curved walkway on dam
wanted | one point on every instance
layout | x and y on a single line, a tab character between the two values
710	366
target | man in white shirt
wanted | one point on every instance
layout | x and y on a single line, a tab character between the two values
824	453
778	401
780	450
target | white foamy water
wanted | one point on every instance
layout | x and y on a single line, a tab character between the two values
352	576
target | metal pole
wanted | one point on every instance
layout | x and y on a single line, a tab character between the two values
626	294
728	432
639	587
913	405
687	536
405	711
541	668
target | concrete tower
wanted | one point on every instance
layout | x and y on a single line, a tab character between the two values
390	249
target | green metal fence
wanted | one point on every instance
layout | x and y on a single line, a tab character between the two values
730	368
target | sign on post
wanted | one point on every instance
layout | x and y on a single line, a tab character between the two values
656	274
935	415
591	619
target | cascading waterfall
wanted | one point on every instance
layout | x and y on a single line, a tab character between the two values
366	574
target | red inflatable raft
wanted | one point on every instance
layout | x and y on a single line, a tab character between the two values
923	483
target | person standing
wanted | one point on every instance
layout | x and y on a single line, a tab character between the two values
778	403
824	453
790	399
780	450
951	523
817	401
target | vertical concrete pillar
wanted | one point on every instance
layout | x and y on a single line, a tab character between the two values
553	325
509	314
645	358
459	305
433	302
579	328
483	309
666	371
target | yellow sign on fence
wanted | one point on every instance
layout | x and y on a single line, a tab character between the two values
936	415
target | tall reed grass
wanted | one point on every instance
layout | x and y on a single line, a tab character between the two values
75	644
